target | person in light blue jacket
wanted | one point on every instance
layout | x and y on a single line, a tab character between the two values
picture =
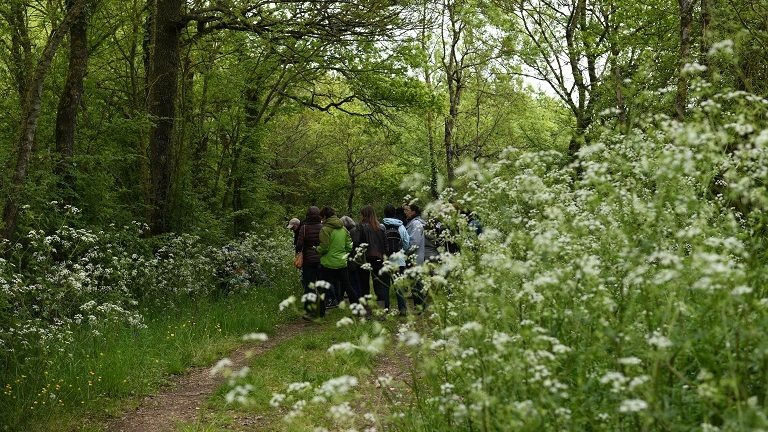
415	227
394	227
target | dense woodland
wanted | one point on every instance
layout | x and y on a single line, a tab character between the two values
200	115
138	137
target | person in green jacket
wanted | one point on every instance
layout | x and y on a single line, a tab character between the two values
335	246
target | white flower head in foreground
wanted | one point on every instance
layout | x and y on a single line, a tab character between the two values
722	47
337	386
277	399
408	337
384	380
358	309
260	337
342	412
321	284
741	290
633	405
239	394
298	387
345	347
223	365
309	298
630	361
344	322
287	303
472	326
658	340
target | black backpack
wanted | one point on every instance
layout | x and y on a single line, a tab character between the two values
393	243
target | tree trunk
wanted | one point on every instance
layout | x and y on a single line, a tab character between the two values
21	48
351	195
432	153
352	174
619	88
705	43
200	171
163	87
453	76
69	101
238	219
449	150
30	117
686	20
430	116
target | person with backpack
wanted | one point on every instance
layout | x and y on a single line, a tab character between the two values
308	238
415	228
334	248
372	235
396	240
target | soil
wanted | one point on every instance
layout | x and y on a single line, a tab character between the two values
184	398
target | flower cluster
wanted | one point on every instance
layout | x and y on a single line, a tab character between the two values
73	279
628	287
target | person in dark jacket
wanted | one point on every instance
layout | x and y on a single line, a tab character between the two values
372	234
308	238
391	222
353	266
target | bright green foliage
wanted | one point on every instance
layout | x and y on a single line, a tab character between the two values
631	297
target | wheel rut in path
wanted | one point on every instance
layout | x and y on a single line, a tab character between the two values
184	398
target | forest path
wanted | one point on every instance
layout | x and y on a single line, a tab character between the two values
185	397
388	387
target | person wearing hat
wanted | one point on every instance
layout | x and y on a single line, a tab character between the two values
294	225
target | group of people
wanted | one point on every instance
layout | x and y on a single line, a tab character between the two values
341	257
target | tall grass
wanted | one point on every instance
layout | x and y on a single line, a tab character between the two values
124	321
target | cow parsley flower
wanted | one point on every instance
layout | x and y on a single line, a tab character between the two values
287	303
658	340
633	405
260	337
344	322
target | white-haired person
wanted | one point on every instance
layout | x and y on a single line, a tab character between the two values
294	225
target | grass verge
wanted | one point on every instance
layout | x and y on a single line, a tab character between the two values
97	377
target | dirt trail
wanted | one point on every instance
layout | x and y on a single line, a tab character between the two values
184	398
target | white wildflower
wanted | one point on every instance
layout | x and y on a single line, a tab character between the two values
658	340
721	47
298	387
633	405
472	326
741	290
409	338
337	386
277	399
630	361
344	322
345	347
222	365
287	303
239	394
342	412
260	337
